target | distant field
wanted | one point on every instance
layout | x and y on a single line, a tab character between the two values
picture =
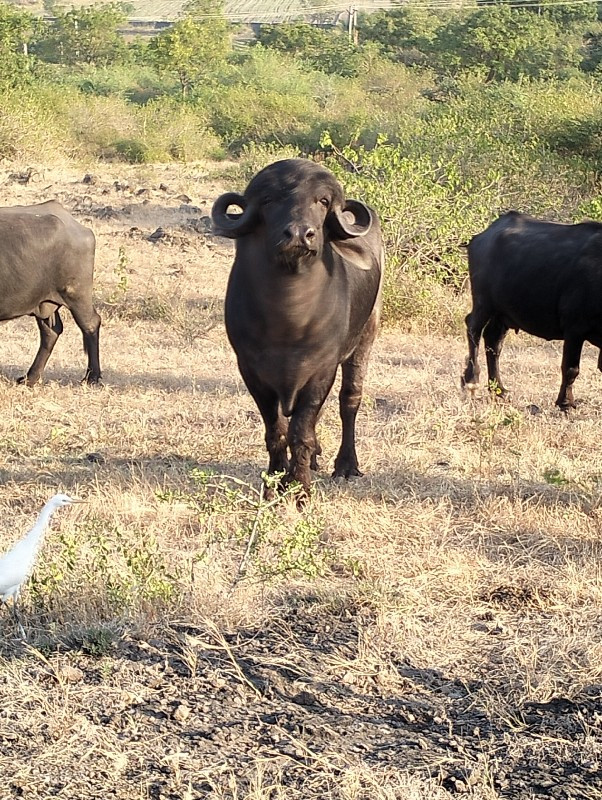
236	10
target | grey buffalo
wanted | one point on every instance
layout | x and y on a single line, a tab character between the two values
303	298
544	278
47	261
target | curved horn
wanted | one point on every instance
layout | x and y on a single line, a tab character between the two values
342	228
232	225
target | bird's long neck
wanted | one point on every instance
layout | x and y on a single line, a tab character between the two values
39	529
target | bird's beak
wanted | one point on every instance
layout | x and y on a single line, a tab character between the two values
76	500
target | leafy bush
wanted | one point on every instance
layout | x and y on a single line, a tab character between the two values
161	130
134	82
267	96
262	97
47	123
241	114
30	128
448	175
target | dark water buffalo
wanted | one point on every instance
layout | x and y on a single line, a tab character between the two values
544	278
47	261
303	297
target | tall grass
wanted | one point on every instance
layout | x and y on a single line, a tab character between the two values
51	123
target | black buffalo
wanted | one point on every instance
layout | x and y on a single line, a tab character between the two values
303	297
544	278
47	261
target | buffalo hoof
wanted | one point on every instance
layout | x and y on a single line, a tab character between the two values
276	482
468	386
302	488
24	380
92	380
272	485
346	469
347	473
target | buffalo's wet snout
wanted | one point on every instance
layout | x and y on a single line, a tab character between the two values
303	236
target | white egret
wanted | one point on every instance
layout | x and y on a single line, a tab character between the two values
17	565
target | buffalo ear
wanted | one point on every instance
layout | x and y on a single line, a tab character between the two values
229	224
354	219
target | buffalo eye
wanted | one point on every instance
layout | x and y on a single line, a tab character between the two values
325	202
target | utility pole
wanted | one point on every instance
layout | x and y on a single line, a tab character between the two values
352	22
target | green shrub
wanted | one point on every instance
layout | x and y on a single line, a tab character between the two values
452	170
133	150
134	82
161	130
31	128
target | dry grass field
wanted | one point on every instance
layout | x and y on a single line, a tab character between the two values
430	629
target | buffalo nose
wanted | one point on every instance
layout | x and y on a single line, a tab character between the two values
303	235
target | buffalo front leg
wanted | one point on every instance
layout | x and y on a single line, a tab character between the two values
571	356
276	425
493	336
302	432
88	321
50	330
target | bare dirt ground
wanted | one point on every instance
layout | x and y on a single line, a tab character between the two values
428	630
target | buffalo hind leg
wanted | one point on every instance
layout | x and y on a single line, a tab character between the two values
571	357
352	385
88	321
50	330
493	336
475	322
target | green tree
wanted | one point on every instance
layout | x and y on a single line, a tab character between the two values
17	30
506	42
400	32
327	50
592	52
567	15
194	45
86	36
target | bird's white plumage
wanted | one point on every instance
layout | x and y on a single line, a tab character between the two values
17	564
